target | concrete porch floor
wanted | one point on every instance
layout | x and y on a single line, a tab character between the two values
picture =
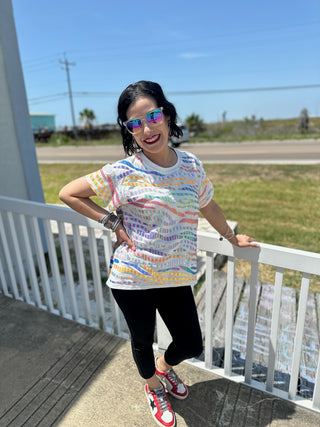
55	372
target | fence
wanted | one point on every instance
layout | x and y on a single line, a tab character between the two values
44	248
55	259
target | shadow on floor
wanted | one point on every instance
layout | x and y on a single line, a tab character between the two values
220	402
46	362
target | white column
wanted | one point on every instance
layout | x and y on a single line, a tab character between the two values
19	172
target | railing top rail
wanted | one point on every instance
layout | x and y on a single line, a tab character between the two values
278	256
46	211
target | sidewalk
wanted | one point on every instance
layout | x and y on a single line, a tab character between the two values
55	372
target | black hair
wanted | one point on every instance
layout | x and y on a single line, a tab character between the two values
130	95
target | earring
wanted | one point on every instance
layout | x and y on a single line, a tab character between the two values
135	144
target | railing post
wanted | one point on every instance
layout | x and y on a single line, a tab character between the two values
229	317
68	270
316	391
13	282
30	262
55	268
42	263
3	281
96	279
299	336
274	329
208	309
82	273
251	321
19	261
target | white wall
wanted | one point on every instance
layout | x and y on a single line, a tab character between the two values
19	172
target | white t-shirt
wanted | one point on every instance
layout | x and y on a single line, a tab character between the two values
160	213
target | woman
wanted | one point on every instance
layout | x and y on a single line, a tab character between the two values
160	191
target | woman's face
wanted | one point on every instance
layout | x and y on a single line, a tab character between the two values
152	138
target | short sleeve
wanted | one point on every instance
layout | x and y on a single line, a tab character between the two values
103	183
206	189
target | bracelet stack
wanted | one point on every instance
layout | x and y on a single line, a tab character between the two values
110	221
228	235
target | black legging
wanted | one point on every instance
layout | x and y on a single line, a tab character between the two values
177	308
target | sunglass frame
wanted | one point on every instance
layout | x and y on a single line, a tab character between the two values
144	119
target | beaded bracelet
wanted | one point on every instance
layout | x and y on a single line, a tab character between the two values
104	218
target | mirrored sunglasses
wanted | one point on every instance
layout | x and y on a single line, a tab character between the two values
154	117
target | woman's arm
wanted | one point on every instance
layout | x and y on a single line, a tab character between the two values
215	217
77	194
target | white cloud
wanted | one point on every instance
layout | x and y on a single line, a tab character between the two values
193	55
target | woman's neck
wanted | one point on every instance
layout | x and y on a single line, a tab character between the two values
167	160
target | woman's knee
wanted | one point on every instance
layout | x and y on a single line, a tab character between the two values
191	348
142	342
196	349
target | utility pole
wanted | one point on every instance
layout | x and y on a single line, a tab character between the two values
66	63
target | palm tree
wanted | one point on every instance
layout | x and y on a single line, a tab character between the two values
87	116
195	124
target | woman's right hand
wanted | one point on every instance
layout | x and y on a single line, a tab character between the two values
122	236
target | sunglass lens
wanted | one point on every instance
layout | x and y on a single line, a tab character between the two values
134	126
154	116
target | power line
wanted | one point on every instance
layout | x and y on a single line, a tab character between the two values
43	59
43	67
48	96
254	89
188	92
213	91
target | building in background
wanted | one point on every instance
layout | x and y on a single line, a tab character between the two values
43	125
42	122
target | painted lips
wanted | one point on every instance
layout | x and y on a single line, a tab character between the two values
153	139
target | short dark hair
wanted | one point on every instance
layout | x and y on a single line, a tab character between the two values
130	95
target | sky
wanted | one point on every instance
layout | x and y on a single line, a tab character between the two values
200	52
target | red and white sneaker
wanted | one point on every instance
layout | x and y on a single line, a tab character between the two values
160	407
173	384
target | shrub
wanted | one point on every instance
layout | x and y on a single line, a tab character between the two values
59	139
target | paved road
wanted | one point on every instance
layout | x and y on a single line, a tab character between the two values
287	151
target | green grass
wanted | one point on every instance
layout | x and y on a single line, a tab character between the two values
55	176
277	212
276	204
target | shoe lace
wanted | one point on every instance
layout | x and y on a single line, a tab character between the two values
173	377
162	399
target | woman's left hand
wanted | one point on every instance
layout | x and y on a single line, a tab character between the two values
242	240
122	236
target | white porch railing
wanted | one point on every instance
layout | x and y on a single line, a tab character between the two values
58	282
39	269
282	258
